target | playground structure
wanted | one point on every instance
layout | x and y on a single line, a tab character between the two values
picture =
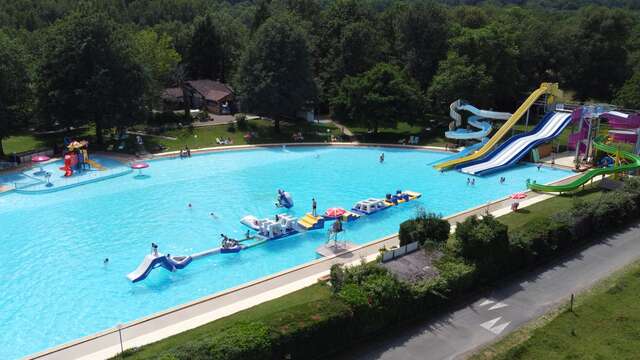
623	127
624	161
282	226
76	158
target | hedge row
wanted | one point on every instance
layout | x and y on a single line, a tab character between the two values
367	299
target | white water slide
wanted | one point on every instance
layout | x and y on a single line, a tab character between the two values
475	121
512	150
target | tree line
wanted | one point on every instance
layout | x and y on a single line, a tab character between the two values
372	63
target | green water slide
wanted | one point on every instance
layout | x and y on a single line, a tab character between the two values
633	164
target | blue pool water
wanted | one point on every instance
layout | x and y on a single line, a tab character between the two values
55	287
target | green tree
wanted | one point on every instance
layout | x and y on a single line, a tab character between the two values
206	55
331	41
457	78
379	97
495	50
423	32
598	64
485	242
88	74
261	14
629	95
359	49
15	94
274	77
159	59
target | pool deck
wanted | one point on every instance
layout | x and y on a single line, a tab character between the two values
187	316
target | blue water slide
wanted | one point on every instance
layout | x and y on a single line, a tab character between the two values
516	147
466	134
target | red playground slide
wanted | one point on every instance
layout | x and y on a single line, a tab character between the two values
67	165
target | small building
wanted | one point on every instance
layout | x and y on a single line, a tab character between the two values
212	96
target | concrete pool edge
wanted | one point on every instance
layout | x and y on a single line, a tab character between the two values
209	308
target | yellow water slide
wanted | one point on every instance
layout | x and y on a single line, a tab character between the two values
544	89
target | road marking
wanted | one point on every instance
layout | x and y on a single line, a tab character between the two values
500	328
487	302
498	305
496	329
489	324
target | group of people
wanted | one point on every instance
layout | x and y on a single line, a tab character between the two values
227	242
224	141
297	137
502	179
185	153
471	181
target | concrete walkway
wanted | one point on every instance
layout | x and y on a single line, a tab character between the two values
487	318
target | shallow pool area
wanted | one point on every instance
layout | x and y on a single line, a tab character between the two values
56	287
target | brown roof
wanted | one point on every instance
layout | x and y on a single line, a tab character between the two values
172	94
211	90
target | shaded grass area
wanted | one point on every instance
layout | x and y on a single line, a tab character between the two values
199	137
547	207
26	142
302	308
431	132
605	324
194	137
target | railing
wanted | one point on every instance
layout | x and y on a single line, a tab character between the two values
399	252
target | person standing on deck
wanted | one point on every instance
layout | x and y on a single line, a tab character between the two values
314	206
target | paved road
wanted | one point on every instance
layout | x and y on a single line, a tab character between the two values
455	335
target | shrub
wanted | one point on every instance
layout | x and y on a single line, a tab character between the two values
163	118
241	122
426	228
337	277
484	242
239	341
231	128
538	240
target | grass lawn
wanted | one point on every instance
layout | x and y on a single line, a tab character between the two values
300	308
25	142
196	137
544	208
431	132
605	324
199	137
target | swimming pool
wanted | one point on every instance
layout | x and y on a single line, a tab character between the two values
54	284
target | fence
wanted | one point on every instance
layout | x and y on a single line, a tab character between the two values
399	252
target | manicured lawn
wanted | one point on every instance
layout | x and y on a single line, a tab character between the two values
544	208
300	308
196	137
25	142
199	137
605	324
431	132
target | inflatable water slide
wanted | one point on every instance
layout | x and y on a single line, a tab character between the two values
514	149
632	163
544	89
